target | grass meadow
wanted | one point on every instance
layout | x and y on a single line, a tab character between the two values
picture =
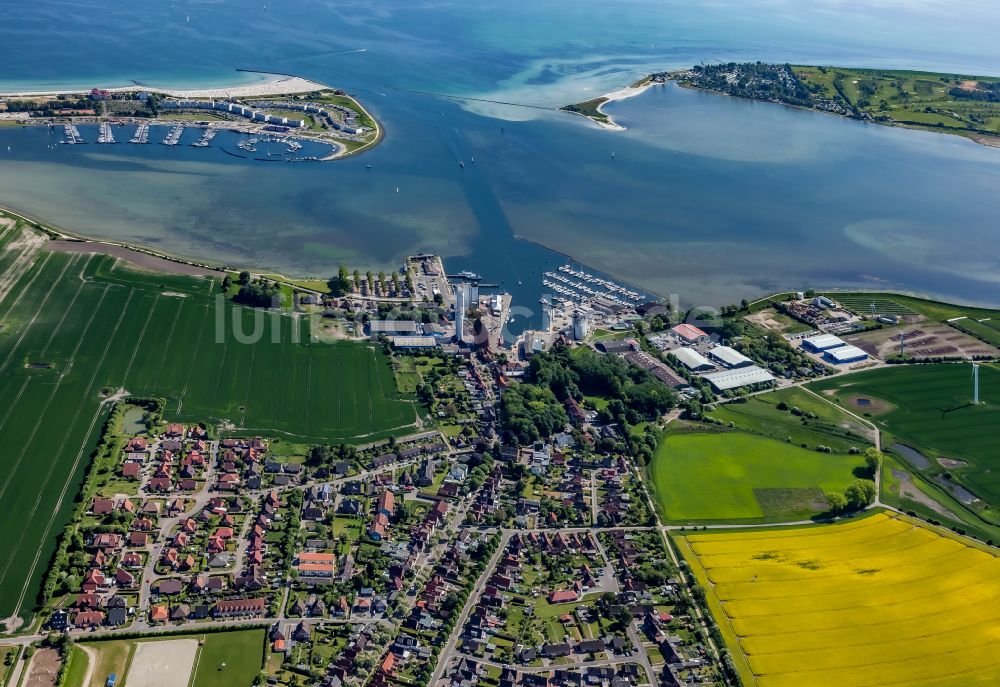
77	324
740	477
879	600
929	407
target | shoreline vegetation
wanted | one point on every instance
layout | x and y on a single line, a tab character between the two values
963	105
280	104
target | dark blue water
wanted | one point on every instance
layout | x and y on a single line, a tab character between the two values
708	197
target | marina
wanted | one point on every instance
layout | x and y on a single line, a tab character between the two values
105	135
174	137
579	286
206	138
141	134
71	135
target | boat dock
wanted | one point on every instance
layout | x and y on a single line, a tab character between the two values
206	138
105	135
141	134
71	135
174	137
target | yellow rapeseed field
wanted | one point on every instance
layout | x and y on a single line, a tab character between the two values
878	601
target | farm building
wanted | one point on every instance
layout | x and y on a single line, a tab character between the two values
729	357
734	379
845	354
691	359
822	342
688	333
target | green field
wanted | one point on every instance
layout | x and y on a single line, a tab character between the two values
831	427
902	304
929	407
948	102
987	331
75	324
229	659
735	476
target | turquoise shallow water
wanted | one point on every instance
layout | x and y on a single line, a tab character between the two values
707	197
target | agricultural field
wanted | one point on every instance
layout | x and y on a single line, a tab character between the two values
900	304
929	408
76	327
884	304
988	329
739	477
879	600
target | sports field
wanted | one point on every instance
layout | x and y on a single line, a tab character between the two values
743	477
929	407
880	600
74	324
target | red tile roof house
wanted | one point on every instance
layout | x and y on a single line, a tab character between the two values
124	578
136	445
175	430
564	596
93	581
102	506
239	607
131	469
89	619
159	614
132	560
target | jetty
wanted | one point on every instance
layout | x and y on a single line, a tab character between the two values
141	134
105	135
71	135
174	137
206	138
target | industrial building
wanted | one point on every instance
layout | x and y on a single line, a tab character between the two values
822	342
617	345
414	341
845	354
688	333
657	369
729	357
691	359
393	328
734	379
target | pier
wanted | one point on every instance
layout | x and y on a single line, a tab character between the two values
206	138
141	134
71	135
105	135
174	137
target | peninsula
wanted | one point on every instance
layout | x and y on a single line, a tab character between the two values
952	103
283	109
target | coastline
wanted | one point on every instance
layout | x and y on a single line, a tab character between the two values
277	86
594	109
280	84
630	91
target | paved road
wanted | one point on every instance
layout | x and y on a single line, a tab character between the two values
444	658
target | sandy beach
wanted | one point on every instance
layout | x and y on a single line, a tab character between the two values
621	94
277	86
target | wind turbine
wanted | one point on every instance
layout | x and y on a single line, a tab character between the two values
975	383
